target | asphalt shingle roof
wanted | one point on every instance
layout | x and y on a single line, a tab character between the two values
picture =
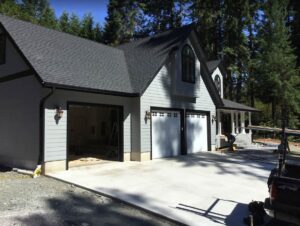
67	61
146	56
212	65
63	59
228	104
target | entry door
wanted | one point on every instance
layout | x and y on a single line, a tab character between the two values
196	132
166	134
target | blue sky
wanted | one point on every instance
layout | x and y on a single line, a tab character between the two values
80	7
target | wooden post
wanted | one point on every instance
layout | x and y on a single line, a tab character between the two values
243	122
232	123
219	123
237	123
250	123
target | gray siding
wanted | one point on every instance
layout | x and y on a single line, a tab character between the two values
14	62
19	122
56	146
55	136
160	94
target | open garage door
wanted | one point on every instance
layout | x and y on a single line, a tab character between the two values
94	134
166	133
196	132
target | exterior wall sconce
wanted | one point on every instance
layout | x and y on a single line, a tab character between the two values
147	116
213	119
59	113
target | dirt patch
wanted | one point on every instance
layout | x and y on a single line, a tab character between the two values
45	201
294	146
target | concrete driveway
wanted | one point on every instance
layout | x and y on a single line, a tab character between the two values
203	189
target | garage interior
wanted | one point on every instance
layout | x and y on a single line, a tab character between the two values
93	134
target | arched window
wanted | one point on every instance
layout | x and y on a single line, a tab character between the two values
218	83
188	64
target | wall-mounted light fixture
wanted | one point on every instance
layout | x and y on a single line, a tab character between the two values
59	113
213	119
147	116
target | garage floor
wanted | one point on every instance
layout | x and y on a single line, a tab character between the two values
203	189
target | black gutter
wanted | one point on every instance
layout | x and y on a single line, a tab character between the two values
90	90
42	126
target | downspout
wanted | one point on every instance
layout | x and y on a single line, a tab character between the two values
42	126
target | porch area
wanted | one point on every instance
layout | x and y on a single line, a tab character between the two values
234	119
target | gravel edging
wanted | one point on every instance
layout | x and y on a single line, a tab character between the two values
46	201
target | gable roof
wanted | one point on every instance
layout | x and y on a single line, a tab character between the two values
65	60
212	65
146	56
231	105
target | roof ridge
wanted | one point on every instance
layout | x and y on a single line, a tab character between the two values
62	32
191	25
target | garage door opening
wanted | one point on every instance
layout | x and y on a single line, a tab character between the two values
94	134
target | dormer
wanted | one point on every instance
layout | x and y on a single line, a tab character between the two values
216	70
185	71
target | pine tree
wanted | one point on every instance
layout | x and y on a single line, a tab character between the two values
251	20
163	15
13	9
294	15
48	19
278	79
87	25
207	15
35	8
113	23
74	25
98	34
63	22
121	21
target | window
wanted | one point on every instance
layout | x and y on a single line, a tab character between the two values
2	48
218	83
188	64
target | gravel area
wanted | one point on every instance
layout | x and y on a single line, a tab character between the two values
45	201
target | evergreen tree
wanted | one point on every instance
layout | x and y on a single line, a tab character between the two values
112	29
251	20
35	9
48	19
13	9
163	15
63	22
87	25
294	17
278	78
98	34
74	25
121	21
207	15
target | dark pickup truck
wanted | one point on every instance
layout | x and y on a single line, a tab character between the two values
284	188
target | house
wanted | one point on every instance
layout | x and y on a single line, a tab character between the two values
65	98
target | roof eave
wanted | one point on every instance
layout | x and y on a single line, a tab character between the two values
238	109
89	90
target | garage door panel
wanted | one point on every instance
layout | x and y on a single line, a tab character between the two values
166	134
196	132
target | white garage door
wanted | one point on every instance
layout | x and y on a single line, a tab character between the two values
196	132
165	134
